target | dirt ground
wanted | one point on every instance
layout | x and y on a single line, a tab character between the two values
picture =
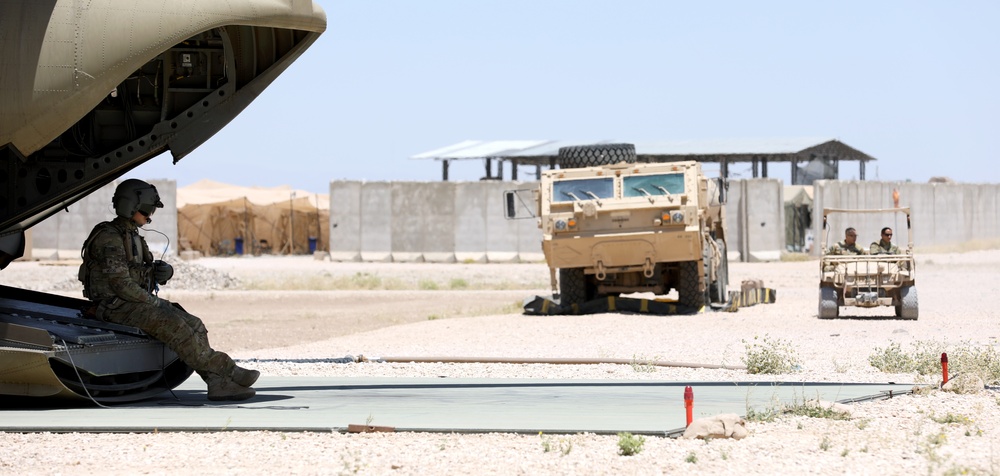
253	320
290	315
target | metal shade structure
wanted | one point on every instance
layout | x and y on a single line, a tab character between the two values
819	157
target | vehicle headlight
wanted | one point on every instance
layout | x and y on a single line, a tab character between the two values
560	225
678	217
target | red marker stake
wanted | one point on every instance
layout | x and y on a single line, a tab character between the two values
944	368
688	404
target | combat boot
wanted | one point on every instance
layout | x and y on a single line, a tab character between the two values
220	388
245	377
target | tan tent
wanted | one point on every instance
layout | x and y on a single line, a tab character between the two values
219	219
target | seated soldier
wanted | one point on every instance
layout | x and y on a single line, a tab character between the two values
884	246
120	276
847	247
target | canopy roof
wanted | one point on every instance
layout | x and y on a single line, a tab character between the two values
731	150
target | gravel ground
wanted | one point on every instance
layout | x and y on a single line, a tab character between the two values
298	316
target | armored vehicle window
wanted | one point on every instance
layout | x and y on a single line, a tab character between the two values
647	185
584	189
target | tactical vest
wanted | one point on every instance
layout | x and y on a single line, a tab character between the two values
97	285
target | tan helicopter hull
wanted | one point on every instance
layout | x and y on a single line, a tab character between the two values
88	91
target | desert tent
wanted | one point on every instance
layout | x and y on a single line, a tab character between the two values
219	219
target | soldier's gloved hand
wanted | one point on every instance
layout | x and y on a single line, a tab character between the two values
162	272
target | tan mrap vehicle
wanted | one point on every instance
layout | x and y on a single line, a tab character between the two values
870	279
625	227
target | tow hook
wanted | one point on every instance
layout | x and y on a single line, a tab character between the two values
647	268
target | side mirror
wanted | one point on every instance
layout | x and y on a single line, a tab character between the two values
516	207
509	209
723	189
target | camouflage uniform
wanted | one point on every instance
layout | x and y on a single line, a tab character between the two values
117	273
882	247
842	248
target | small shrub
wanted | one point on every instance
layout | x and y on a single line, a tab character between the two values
691	458
562	444
629	444
813	409
458	283
565	446
825	443
983	362
925	359
641	365
365	281
769	356
891	360
927	356
427	285
952	418
767	415
838	367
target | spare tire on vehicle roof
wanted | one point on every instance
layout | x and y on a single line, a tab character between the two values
576	156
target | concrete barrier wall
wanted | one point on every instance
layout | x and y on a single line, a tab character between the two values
428	221
62	235
472	221
463	221
423	221
942	214
376	221
345	222
755	219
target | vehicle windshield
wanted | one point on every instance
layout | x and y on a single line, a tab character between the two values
585	189
650	185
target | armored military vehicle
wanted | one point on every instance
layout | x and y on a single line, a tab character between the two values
612	226
867	280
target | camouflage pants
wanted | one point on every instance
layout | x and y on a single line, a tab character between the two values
180	331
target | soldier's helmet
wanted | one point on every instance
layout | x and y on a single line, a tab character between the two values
134	195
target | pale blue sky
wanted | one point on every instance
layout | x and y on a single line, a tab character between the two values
915	84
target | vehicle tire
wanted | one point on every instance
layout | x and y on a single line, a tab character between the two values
576	156
908	308
687	289
717	291
828	308
573	287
